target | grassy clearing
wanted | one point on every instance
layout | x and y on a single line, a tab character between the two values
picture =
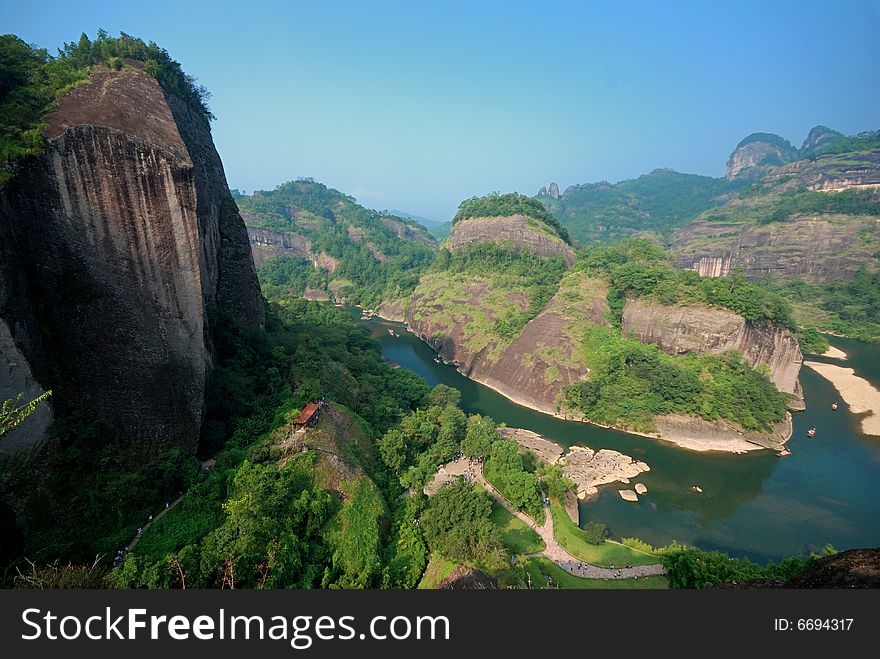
572	539
515	534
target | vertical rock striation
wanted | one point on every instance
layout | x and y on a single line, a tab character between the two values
121	246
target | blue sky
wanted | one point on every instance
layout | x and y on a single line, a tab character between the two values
418	105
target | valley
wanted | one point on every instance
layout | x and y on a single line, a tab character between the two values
618	368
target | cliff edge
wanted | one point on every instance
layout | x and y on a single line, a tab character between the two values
120	248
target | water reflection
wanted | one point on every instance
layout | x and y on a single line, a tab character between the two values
755	504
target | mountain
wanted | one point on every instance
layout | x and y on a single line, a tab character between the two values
809	228
655	204
122	253
306	235
509	303
439	229
758	152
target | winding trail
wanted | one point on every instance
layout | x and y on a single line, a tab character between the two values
553	550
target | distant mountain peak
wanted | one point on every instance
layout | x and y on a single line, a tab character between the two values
551	191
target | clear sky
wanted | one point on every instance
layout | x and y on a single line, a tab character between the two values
417	105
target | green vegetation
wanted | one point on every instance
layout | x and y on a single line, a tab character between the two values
509	473
377	256
13	411
504	205
687	567
516	535
458	525
246	519
32	81
540	568
631	382
853	143
796	202
849	308
638	268
583	545
281	275
658	202
510	271
424	440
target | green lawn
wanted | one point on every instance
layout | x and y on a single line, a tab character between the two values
515	534
438	569
571	537
540	568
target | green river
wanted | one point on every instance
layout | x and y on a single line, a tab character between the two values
757	504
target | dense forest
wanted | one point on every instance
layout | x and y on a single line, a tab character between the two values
656	203
376	256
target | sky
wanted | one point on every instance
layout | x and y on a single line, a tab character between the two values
415	106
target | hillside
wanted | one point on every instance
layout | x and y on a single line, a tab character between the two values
807	228
655	203
304	234
550	332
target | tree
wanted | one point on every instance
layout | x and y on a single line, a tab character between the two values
12	413
443	396
392	448
458	525
481	433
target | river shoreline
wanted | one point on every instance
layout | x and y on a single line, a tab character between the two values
726	440
859	394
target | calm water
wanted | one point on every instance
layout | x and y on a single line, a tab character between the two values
755	504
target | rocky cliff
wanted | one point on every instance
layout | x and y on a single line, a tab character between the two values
756	153
530	369
121	248
521	231
817	247
682	329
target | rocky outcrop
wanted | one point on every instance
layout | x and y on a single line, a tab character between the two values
818	137
125	247
16	378
531	369
406	231
552	191
699	434
818	248
522	232
678	330
757	153
267	244
856	568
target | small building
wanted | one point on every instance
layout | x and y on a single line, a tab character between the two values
309	415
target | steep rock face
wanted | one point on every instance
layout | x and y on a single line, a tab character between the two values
517	229
268	244
818	137
553	190
127	246
819	248
756	153
699	329
533	367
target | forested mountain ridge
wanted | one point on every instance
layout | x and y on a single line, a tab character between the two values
549	331
339	247
803	220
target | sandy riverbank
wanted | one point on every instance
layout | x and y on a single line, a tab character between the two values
860	395
714	437
834	353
